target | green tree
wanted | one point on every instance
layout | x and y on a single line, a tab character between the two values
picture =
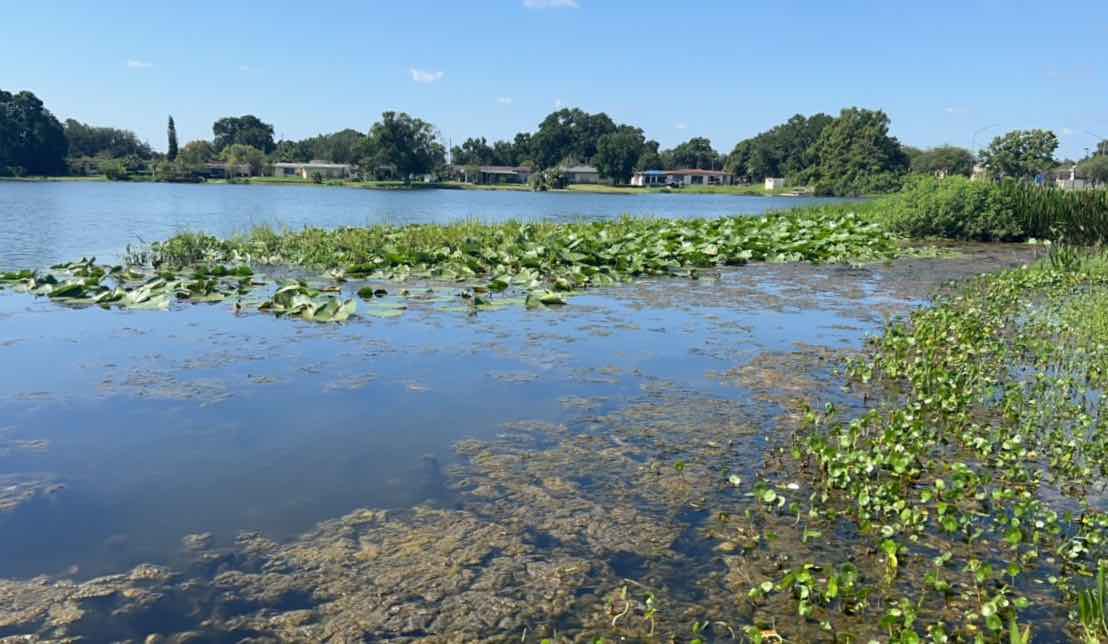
650	158
171	131
1020	154
238	154
474	151
92	141
696	153
32	141
293	151
1095	169
569	133
1101	148
402	142
782	151
618	152
197	152
855	155
245	130
337	147
945	160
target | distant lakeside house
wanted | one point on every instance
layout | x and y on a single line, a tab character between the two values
490	174
222	170
580	174
774	183
323	169
1070	178
684	177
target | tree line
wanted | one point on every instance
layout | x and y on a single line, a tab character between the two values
851	153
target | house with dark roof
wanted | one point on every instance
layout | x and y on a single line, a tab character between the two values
580	174
493	173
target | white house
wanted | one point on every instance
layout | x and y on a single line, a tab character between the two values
648	178
774	184
1068	180
324	169
686	177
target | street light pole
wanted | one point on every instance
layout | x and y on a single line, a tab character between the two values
973	139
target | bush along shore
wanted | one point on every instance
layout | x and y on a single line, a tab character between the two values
540	263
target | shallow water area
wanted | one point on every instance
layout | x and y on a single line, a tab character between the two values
576	438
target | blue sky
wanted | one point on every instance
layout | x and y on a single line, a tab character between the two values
943	71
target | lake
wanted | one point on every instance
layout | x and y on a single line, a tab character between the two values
50	222
217	475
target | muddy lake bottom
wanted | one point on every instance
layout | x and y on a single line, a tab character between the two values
436	474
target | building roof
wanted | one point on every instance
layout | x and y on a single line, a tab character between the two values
653	173
313	164
580	169
504	169
695	171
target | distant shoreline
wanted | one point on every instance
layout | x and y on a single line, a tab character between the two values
597	189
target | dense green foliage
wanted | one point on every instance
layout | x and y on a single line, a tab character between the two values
92	141
958	208
1020	154
197	152
243	130
240	156
32	141
783	151
618	152
569	134
855	155
697	153
1095	169
338	147
945	160
402	143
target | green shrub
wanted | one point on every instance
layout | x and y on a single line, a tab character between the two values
954	207
957	208
114	170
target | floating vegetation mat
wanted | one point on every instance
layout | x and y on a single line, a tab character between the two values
540	263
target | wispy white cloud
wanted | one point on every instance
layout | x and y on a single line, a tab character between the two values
424	76
244	68
551	4
558	104
1066	131
504	100
955	109
139	64
681	126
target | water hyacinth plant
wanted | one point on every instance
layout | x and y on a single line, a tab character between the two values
988	448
